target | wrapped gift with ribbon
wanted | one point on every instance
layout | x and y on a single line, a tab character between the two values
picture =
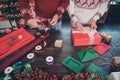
114	76
85	37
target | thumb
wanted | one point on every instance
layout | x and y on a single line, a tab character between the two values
37	20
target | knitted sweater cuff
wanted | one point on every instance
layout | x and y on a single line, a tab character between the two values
96	17
74	20
60	11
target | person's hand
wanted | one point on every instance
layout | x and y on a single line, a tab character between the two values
78	26
54	20
33	23
93	24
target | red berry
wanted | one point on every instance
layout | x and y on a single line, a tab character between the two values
81	76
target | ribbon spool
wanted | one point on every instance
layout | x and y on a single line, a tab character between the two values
30	55
8	70
39	47
49	60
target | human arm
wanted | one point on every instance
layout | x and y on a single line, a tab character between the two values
71	11
103	7
60	10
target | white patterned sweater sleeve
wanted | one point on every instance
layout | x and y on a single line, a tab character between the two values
103	7
71	12
84	10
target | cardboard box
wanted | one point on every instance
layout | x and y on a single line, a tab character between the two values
86	37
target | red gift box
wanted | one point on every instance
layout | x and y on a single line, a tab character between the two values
86	37
101	48
14	41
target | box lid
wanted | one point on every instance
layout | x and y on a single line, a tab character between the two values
73	64
87	55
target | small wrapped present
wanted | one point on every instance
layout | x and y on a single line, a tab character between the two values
106	36
114	76
58	43
86	37
116	61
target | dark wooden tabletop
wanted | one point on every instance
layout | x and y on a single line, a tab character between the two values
68	49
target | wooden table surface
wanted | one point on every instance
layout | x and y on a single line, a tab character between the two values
69	50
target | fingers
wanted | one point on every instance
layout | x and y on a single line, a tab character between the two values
80	29
78	26
37	20
54	20
33	23
93	26
35	26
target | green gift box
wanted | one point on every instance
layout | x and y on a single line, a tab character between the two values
73	64
87	55
97	70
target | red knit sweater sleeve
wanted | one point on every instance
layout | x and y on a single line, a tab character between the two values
62	7
23	6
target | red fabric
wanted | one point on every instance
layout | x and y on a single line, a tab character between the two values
11	43
82	39
43	8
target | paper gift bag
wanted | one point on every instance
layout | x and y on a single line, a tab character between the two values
86	37
87	55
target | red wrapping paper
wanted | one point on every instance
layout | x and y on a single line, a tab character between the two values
11	42
87	37
23	51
